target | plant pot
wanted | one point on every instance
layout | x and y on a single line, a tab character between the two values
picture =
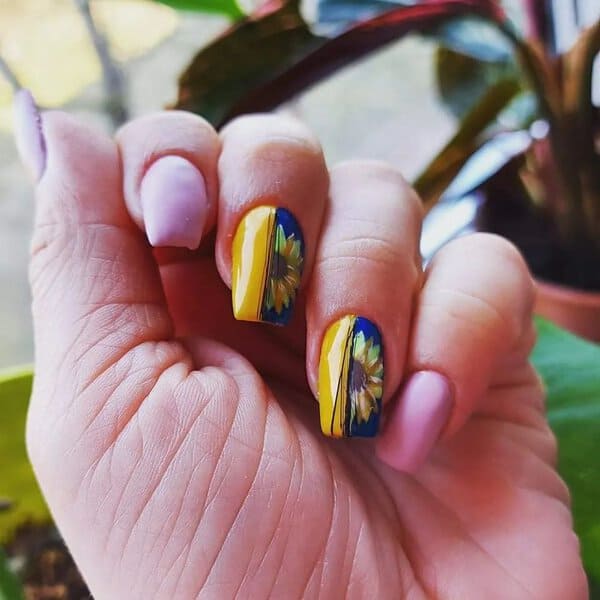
575	310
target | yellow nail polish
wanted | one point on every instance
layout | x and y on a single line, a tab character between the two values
267	257
351	378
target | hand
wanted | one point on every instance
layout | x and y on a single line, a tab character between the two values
180	449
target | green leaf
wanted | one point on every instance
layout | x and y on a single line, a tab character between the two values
476	39
10	588
443	169
570	368
462	79
19	491
222	7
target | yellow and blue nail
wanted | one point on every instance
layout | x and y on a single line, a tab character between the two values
351	378
268	257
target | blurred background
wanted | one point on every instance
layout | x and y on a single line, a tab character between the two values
369	110
106	60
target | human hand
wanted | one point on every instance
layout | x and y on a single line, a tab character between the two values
180	450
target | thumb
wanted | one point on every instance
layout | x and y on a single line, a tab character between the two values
96	289
99	312
122	432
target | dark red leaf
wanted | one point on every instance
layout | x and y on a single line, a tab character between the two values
299	59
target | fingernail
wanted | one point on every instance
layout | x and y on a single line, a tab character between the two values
351	378
267	256
29	136
174	203
415	424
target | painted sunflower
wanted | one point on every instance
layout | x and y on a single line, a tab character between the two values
286	270
366	378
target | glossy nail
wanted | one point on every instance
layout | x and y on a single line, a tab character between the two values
174	203
29	135
417	420
351	378
267	256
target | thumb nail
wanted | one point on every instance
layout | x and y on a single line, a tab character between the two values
415	423
174	203
29	135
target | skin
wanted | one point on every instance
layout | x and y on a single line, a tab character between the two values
180	451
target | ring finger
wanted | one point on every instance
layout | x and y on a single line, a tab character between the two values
359	306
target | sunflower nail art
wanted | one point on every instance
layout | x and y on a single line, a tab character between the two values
268	256
351	378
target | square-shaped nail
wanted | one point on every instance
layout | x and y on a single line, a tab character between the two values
267	257
351	378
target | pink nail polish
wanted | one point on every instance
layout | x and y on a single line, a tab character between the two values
415	424
29	136
174	203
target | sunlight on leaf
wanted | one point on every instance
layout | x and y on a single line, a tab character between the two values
47	46
19	491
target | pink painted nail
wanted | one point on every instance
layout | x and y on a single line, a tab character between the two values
174	203
413	428
28	133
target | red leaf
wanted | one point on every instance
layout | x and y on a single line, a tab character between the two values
312	58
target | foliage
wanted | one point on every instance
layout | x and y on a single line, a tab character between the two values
224	7
481	52
570	369
224	79
10	588
18	489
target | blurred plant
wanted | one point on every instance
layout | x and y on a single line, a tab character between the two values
229	8
513	80
10	588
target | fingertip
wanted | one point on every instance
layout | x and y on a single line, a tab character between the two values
416	421
174	203
170	181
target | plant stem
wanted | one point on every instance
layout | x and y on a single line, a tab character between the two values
539	21
9	75
114	83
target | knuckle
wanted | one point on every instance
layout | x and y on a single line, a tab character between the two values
263	133
373	249
502	272
391	184
178	122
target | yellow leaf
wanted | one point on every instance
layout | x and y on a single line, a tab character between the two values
46	44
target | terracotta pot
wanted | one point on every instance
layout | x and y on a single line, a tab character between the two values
575	310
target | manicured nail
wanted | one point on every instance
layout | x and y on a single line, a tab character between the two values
351	378
174	203
420	415
29	136
267	256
